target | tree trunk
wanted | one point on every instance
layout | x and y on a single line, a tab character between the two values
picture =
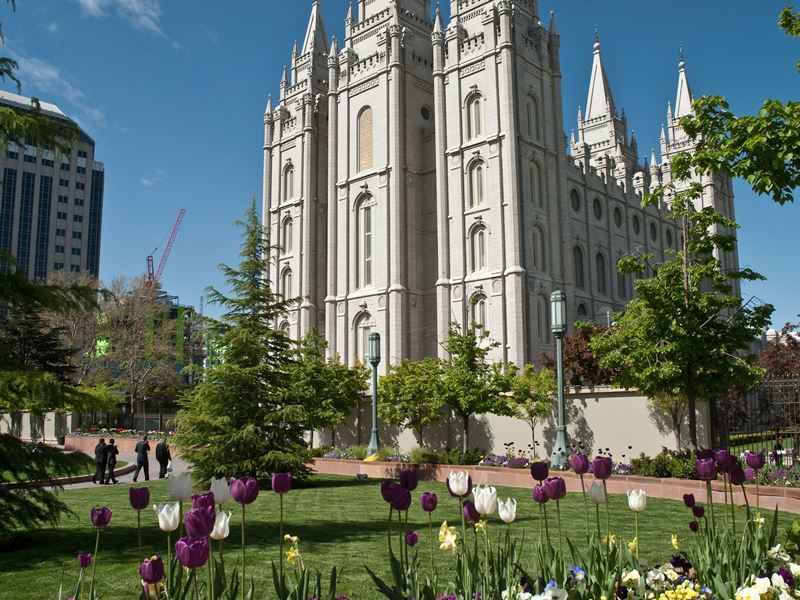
311	439
676	423
465	437
692	402
533	438
419	437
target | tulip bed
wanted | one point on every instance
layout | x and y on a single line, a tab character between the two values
337	522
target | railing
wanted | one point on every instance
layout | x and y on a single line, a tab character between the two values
142	421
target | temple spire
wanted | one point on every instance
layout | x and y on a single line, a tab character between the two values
437	22
684	99
600	102
315	34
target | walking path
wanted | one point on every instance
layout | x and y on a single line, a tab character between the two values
178	467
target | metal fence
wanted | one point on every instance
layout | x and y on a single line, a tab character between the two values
768	417
142	421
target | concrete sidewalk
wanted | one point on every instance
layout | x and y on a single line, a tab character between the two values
178	467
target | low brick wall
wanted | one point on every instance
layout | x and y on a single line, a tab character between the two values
785	499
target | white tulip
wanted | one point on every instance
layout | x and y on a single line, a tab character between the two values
169	516
637	500
597	493
221	525
485	500
459	483
221	490
180	487
507	510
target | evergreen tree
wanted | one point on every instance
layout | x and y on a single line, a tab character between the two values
243	418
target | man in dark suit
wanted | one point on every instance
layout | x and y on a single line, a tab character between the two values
111	461
99	461
163	457
142	461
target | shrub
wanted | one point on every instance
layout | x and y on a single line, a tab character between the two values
667	463
357	452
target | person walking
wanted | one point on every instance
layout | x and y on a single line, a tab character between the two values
163	457
142	461
111	461
99	461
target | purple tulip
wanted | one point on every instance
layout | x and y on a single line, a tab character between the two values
689	501
579	463
601	467
705	454
192	552
469	487
152	570
403	501
101	517
756	460
750	474
737	475
281	483
244	490
726	462
203	500
699	512
428	501
199	522
706	468
391	491
556	488
540	494
540	469
471	514
694	526
139	497
84	560
409	479
411	537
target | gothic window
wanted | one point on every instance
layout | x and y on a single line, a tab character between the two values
478	248
479	311
286	283
575	198
537	196
543	318
539	258
600	267
288	183
366	243
474	117
636	225
533	117
577	257
653	232
284	327
364	139
477	184
364	326
598	209
669	238
287	236
622	285
617	217
582	312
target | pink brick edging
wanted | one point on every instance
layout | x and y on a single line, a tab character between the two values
785	499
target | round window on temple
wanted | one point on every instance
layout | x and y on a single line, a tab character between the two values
425	112
617	217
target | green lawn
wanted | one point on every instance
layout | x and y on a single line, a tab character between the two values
81	464
340	522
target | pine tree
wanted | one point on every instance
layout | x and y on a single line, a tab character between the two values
242	420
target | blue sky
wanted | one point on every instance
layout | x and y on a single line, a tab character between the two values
173	92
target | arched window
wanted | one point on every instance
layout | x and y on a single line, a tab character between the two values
477	184
285	327
575	199
543	318
478	249
366	238
364	326
288	183
537	197
622	284
533	117
479	311
286	283
582	312
577	258
539	258
474	117
364	139
600	267
287	236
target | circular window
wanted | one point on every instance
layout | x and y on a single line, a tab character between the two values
576	201
669	238
636	225
653	232
425	112
598	209
617	217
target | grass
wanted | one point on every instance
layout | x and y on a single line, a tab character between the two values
80	463
340	521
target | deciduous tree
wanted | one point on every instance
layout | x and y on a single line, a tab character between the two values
532	394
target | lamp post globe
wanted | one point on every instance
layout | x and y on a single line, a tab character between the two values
558	325
374	355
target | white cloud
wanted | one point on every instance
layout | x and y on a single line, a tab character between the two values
153	179
142	14
51	27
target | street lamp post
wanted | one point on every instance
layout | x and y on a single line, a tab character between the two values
558	325
374	359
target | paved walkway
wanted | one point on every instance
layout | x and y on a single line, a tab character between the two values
178	467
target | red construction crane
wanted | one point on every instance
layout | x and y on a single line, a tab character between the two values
156	275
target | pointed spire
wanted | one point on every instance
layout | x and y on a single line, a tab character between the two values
285	78
663	134
683	102
572	137
653	159
349	18
600	102
553	30
580	116
437	21
268	110
334	48
295	50
315	34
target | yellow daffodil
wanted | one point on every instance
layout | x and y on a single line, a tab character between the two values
480	526
291	538
633	545
447	538
444	531
292	555
610	540
675	543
